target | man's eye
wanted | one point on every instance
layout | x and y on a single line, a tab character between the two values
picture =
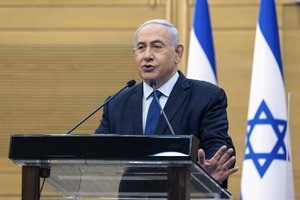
157	46
140	47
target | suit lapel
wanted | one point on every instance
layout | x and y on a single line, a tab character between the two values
176	99
136	110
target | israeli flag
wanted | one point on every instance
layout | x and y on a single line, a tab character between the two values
267	166
201	59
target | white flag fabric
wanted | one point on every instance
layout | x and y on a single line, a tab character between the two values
201	59
267	166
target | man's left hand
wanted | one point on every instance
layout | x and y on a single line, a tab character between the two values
219	165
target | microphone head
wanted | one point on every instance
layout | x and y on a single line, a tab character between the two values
131	83
152	83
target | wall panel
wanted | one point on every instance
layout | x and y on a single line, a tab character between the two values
75	17
60	59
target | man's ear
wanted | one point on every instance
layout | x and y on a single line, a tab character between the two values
178	53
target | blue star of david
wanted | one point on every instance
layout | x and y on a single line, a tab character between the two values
279	145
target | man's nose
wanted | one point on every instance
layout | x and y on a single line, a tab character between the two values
148	55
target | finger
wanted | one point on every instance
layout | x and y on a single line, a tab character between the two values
201	156
226	173
226	156
229	162
220	152
231	171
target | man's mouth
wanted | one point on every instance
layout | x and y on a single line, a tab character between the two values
148	68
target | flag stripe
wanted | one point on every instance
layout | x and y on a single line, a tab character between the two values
201	59
268	24
199	66
202	28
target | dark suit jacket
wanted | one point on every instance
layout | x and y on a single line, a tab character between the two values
193	107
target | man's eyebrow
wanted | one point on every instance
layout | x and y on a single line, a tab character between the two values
152	42
141	43
157	41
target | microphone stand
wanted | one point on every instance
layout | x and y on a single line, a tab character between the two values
129	84
153	84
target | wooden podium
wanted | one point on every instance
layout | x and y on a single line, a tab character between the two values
113	167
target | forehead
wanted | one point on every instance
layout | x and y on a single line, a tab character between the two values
153	32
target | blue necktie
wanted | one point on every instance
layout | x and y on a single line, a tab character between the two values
153	115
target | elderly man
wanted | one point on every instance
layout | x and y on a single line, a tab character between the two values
192	106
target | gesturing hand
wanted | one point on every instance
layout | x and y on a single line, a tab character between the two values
218	165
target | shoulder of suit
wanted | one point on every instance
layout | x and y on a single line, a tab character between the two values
197	86
187	83
201	84
132	90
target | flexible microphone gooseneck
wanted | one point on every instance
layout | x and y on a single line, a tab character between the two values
129	84
153	85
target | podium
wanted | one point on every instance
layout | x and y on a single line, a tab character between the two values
113	167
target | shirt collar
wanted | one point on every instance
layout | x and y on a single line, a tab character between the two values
165	89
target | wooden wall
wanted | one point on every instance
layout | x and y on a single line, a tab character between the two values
59	59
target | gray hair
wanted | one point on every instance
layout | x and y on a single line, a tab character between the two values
174	36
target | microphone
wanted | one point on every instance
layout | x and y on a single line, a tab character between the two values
129	84
153	84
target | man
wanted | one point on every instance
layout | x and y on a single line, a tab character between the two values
192	107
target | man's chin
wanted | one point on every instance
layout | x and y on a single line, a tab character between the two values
147	77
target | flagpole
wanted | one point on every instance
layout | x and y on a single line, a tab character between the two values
289	168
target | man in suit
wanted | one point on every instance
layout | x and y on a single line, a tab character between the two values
192	106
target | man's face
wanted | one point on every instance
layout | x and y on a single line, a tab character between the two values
155	57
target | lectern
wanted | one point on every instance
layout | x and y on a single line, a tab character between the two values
113	167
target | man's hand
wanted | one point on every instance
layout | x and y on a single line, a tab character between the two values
218	165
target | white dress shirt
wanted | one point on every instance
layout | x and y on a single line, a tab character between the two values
165	89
